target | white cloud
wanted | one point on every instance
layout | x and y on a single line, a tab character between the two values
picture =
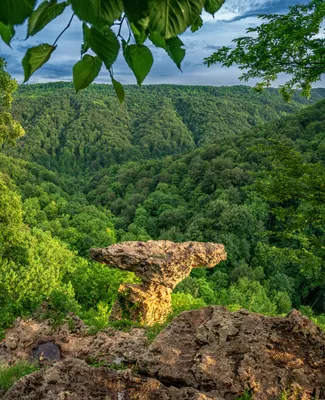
231	21
236	8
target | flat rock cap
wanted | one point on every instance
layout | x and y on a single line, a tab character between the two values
161	261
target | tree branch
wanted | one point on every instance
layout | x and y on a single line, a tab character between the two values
67	27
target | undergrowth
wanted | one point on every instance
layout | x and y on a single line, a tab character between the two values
10	374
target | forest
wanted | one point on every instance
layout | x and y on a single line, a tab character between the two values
220	164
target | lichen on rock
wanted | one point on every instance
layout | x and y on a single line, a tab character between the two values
161	265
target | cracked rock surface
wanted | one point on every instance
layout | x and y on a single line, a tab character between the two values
221	353
161	265
209	353
73	379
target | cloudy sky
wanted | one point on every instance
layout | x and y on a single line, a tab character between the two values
230	22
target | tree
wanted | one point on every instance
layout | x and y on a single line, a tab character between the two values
103	23
32	263
9	128
295	191
285	44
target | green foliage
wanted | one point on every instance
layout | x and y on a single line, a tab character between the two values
288	43
140	19
91	131
170	18
173	163
245	396
93	282
6	33
118	366
10	129
318	320
85	71
97	318
98	12
57	306
212	6
10	374
184	302
250	295
24	253
139	59
173	46
104	43
45	13
16	15
36	57
120	93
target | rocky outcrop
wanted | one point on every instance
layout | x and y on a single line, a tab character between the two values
160	265
204	354
221	353
75	380
109	346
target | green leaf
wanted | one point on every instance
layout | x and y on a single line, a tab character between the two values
119	90
197	25
136	10
172	46
98	12
6	32
13	14
137	14
172	17
44	14
85	46
139	59
105	44
175	50
35	57
158	40
212	6
139	33
85	71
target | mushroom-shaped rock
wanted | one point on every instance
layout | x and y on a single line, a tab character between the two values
161	265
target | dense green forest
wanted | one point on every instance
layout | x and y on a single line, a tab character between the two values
221	164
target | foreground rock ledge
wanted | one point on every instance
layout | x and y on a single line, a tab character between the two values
204	354
73	379
161	265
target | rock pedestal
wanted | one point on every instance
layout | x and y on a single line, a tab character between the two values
146	304
161	265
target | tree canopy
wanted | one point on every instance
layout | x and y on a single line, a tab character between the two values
89	173
104	24
287	43
10	129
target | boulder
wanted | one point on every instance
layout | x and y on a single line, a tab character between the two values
221	354
161	265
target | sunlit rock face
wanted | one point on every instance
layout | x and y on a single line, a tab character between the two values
161	265
205	354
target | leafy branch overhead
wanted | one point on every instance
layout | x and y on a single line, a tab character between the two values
290	43
108	26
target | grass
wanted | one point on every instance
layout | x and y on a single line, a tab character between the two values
11	374
245	396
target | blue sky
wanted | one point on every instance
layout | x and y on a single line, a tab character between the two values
230	22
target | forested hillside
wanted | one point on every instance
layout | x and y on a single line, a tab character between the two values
226	165
88	131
